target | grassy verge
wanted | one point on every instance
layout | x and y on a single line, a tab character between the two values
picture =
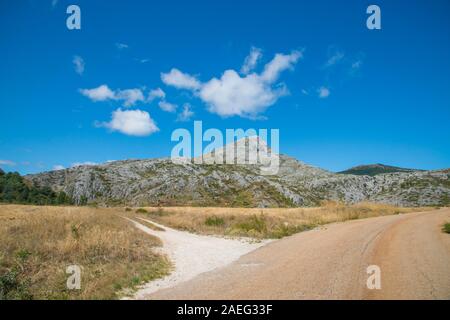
446	228
38	243
264	223
149	225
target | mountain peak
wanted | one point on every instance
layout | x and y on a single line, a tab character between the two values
243	149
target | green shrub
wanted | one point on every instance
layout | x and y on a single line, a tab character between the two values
141	210
254	223
285	230
160	213
83	200
446	228
75	231
214	221
23	255
12	287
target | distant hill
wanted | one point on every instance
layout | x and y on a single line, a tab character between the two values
374	169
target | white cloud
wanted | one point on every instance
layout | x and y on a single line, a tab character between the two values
335	58
186	114
180	80
356	66
121	46
131	122
357	62
79	64
251	60
232	94
278	64
166	106
156	93
323	92
58	167
86	163
305	92
129	97
7	163
100	93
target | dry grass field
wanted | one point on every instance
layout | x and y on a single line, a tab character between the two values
264	223
38	243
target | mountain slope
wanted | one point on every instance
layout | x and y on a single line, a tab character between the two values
162	182
374	169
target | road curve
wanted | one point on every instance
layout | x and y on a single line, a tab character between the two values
331	263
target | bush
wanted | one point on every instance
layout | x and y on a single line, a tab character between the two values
446	228
214	221
254	223
160	213
83	200
11	286
141	210
285	230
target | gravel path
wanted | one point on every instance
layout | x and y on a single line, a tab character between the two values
192	254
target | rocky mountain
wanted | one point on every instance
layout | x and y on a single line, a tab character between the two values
374	169
162	182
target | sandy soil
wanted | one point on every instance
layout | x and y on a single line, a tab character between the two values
193	254
327	263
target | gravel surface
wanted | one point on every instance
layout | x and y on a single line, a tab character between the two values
193	254
331	263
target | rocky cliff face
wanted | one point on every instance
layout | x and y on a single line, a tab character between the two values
162	182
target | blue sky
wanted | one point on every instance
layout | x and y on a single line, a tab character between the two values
340	94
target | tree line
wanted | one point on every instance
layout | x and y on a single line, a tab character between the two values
15	189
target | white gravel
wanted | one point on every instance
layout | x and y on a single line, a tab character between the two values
192	255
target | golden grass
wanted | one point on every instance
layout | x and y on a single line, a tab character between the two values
265	223
38	243
149	225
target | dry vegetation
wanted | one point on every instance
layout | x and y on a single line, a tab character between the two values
264	223
38	243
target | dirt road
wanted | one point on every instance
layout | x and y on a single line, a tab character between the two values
331	263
